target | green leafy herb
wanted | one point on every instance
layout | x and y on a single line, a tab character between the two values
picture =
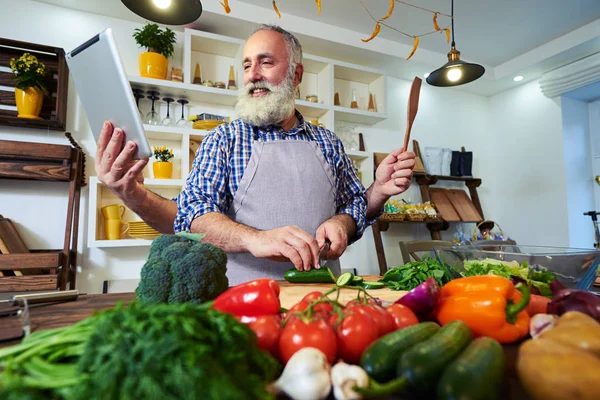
162	351
412	274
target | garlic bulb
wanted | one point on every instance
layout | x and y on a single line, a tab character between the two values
305	377
344	377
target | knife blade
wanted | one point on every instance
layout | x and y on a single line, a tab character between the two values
45	297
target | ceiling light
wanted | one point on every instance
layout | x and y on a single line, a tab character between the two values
166	12
455	72
518	78
162	3
426	75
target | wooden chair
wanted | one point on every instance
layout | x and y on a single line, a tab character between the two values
410	249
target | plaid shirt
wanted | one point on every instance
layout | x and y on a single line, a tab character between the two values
225	152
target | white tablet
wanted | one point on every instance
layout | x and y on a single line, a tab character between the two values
104	89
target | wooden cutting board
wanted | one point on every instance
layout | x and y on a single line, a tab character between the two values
463	205
439	197
292	293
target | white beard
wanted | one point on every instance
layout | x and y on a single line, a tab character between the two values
269	109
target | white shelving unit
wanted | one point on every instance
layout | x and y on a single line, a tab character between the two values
216	54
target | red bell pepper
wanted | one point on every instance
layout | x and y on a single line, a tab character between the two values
251	299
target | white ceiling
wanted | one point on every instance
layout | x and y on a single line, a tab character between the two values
509	37
491	32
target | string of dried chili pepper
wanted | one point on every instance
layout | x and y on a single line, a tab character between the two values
435	23
390	11
415	45
375	33
447	35
225	4
276	9
318	6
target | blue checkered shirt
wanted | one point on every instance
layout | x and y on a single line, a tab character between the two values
225	152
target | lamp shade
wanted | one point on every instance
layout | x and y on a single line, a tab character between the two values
455	73
174	12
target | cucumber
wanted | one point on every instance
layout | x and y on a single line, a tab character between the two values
379	360
424	363
357	280
373	285
344	279
476	374
322	275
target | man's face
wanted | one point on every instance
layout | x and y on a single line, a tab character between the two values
268	94
265	58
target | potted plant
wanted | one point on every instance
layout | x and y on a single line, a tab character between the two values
30	89
162	167
159	45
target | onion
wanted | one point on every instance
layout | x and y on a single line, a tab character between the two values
422	299
575	300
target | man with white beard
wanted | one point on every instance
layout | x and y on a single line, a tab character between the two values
269	188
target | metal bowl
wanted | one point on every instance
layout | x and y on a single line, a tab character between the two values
574	268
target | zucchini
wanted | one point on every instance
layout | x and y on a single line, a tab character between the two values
322	275
344	279
476	374
373	285
379	360
424	363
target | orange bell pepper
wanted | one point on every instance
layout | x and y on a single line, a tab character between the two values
490	305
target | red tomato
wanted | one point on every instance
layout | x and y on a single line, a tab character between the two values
383	320
268	330
402	315
323	310
355	334
300	306
316	295
298	334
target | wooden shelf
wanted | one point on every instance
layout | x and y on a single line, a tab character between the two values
54	108
45	162
385	224
13	120
433	179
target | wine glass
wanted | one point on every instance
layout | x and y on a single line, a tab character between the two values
182	122
138	94
153	118
167	121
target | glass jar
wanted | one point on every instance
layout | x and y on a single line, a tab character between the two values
313	98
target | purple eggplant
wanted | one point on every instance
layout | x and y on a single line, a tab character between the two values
575	300
422	299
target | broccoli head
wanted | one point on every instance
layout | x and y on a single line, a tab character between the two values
180	269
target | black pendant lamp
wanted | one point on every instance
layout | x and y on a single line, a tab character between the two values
455	72
167	12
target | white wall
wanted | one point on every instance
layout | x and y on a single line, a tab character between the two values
515	136
526	150
578	170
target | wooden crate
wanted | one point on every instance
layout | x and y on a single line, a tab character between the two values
54	109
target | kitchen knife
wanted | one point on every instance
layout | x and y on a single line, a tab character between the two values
45	297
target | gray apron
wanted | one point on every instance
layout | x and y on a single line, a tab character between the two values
286	182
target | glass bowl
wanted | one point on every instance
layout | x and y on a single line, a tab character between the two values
574	268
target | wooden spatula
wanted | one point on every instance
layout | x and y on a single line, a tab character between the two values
413	106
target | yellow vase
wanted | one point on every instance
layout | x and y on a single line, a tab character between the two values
29	102
162	170
153	65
